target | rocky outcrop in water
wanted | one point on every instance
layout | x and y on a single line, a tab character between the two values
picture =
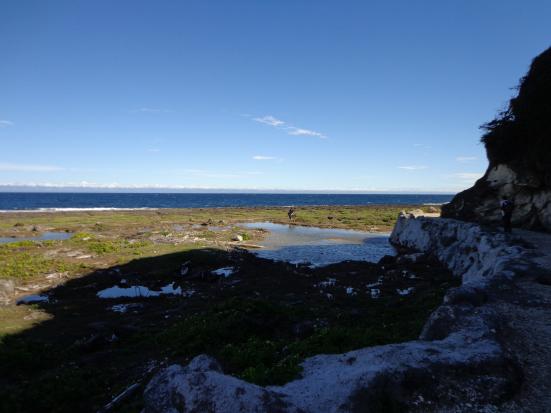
518	146
459	363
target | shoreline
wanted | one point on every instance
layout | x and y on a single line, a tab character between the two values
297	206
368	218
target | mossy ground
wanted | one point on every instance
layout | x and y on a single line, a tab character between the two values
74	353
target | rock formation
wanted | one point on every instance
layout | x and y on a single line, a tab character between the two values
518	147
459	363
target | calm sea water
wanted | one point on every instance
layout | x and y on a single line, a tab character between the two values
37	201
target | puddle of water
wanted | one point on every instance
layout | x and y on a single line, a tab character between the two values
405	291
214	228
45	236
31	299
142	291
320	246
224	272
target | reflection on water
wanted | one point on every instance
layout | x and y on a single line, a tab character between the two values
142	291
320	246
45	236
32	299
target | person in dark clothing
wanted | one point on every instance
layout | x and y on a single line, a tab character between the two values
291	213
507	207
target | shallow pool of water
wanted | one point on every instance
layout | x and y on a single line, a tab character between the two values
136	291
320	246
45	236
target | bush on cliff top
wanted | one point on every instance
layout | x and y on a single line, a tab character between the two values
521	135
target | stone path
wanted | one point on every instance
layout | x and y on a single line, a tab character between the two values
528	313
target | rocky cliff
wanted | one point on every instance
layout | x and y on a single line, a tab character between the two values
518	147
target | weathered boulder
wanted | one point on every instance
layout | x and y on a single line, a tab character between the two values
202	387
518	146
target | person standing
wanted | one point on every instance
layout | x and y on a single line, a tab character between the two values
291	213
507	207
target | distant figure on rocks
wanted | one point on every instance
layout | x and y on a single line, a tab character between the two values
507	207
291	213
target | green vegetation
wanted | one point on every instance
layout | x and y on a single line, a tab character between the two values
253	338
115	237
519	135
128	222
25	260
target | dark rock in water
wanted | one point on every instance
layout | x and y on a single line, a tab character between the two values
387	260
518	146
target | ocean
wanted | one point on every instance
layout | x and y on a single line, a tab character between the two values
10	201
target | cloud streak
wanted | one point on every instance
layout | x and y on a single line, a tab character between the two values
5	123
422	145
264	158
269	120
466	158
413	167
304	132
290	129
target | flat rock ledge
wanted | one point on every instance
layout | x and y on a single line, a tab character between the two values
458	364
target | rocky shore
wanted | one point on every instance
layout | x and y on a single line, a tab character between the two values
467	358
88	320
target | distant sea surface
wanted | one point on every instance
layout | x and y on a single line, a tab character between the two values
10	201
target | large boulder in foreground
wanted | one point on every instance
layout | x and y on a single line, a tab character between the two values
518	146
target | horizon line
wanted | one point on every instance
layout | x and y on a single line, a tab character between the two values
168	190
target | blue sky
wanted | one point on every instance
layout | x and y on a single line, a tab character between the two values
317	95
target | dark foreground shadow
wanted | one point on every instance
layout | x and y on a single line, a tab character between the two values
258	317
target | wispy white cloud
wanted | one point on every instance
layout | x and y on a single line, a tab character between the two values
421	145
304	132
263	158
13	167
413	167
466	158
290	129
269	120
5	123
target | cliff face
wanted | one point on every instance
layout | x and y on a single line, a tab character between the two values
518	146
